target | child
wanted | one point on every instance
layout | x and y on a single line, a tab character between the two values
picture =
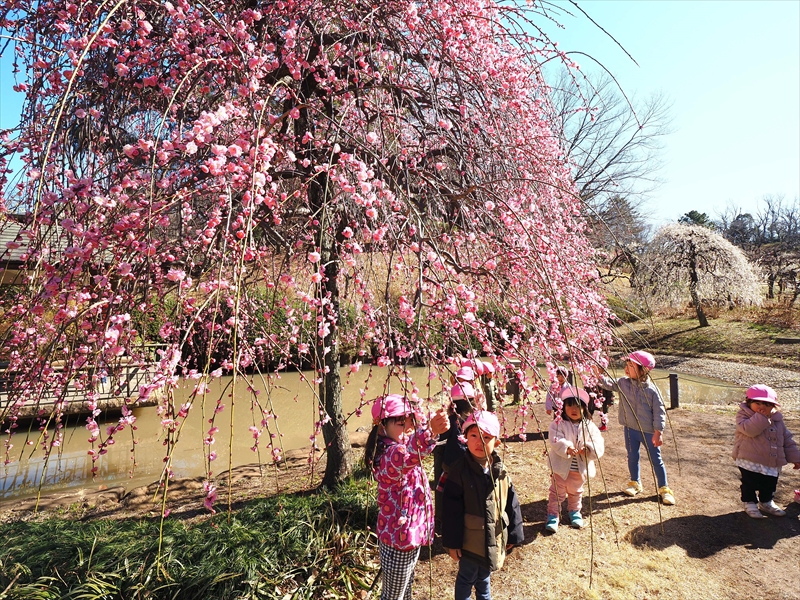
575	442
602	399
394	453
451	446
762	446
489	387
478	499
643	417
562	382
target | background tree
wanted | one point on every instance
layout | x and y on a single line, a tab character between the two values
620	231
614	146
694	217
771	238
274	182
691	260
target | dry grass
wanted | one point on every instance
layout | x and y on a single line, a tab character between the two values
734	336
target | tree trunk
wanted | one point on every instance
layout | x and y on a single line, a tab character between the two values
339	463
337	441
693	280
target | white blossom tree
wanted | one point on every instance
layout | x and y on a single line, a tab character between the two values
691	260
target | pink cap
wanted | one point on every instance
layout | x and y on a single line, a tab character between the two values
462	391
488	367
643	359
465	373
762	393
573	392
487	422
392	405
476	365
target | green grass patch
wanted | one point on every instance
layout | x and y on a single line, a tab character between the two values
313	545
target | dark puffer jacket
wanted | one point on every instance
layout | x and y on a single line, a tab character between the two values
481	512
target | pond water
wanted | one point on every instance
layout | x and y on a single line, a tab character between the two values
292	399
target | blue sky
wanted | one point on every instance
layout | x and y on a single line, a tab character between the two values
731	70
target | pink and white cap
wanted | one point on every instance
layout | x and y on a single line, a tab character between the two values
487	422
762	393
573	392
391	405
488	368
462	391
643	359
465	373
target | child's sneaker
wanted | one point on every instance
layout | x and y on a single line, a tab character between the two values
575	520
771	509
552	523
666	496
634	487
751	508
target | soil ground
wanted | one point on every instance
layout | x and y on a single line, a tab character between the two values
704	547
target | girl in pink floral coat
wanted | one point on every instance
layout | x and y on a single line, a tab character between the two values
394	452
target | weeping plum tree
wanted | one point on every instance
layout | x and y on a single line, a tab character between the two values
260	185
694	261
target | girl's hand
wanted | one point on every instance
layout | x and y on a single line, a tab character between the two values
439	422
657	439
764	409
572	452
455	554
796	466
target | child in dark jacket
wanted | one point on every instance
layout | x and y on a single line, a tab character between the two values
451	445
481	517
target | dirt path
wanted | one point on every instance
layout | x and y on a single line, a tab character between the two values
707	548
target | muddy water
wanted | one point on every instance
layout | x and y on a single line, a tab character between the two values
695	390
291	398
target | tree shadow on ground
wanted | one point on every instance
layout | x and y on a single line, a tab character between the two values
703	536
529	437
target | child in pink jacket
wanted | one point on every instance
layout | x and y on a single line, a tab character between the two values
394	452
762	446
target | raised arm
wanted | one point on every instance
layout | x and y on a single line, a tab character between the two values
751	425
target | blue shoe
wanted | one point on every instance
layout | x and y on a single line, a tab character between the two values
575	520
552	523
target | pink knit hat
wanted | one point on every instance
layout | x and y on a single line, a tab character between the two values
392	405
462	390
643	359
762	393
487	422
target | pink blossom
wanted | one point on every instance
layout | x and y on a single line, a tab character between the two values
176	275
